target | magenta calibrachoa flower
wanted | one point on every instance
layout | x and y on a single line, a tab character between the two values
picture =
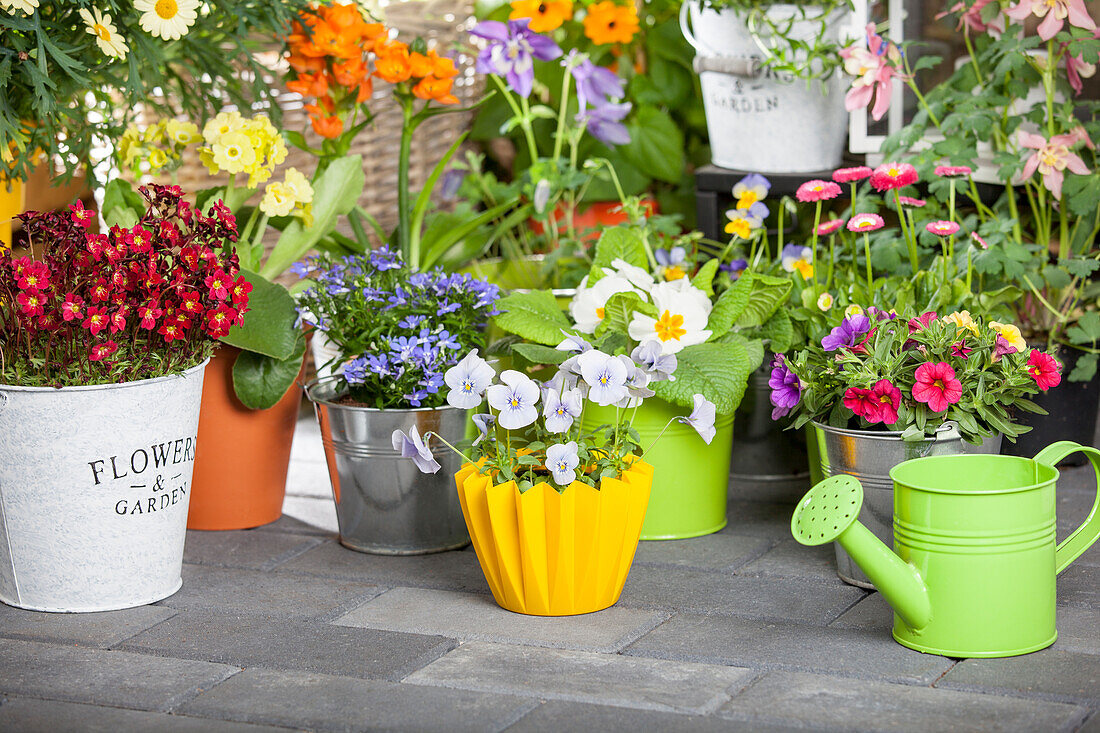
1051	158
865	223
873	67
817	190
1054	14
942	228
786	388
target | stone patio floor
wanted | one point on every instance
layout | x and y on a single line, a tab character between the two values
281	628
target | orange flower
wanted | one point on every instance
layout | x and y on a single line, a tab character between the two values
545	15
366	88
349	73
420	65
305	64
606	22
393	63
431	87
442	67
309	85
325	106
328	127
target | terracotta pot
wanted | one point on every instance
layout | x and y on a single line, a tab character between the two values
242	456
593	218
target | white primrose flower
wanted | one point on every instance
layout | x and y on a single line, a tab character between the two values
587	305
514	400
637	276
468	380
560	409
683	311
701	418
605	376
658	366
562	460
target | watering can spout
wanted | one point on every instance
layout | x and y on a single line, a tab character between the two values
830	511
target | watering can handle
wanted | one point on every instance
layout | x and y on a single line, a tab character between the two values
1084	536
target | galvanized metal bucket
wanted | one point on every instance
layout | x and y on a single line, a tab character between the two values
748	105
384	505
869	456
94	487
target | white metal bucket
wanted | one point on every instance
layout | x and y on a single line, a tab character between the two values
759	120
94	488
324	352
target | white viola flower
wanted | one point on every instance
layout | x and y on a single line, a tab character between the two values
484	422
514	400
562	460
637	276
658	367
587	305
636	384
560	409
468	380
412	446
605	376
573	344
701	418
681	321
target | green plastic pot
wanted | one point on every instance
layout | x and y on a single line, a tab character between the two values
975	560
690	478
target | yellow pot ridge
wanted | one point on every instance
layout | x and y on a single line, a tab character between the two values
550	554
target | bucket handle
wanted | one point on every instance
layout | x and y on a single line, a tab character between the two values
1084	536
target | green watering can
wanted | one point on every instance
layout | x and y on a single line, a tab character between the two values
974	536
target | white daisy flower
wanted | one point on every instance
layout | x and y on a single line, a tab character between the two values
167	19
106	35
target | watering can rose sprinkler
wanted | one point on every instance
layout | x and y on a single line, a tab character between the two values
975	560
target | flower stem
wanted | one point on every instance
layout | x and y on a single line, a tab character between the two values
867	254
403	213
910	241
444	442
813	244
667	424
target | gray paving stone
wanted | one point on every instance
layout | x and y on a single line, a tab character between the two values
840	703
695	591
775	492
255	641
770	646
873	613
1050	673
1092	725
607	679
719	551
759	518
1078	630
476	617
114	678
313	511
788	559
289	524
27	715
556	716
245	548
445	570
84	629
273	594
324	702
1079	585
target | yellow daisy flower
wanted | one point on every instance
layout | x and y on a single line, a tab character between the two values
106	35
26	6
167	19
824	302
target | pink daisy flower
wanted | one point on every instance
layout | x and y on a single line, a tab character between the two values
910	201
952	171
817	190
830	227
978	240
890	176
850	175
865	223
942	228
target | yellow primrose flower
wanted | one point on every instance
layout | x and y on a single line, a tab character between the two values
674	272
233	153
853	310
223	123
157	159
106	35
298	186
182	133
278	200
1011	334
824	302
962	321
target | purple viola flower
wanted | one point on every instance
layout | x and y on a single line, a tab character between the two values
511	52
484	422
786	388
735	267
847	333
670	257
701	418
595	84
605	122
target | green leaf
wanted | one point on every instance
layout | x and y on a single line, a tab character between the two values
729	306
768	293
335	193
539	354
122	205
1080	267
269	326
261	381
1087	329
704	279
617	243
656	144
1085	369
619	311
718	371
779	331
533	315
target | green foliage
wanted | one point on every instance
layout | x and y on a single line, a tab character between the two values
260	381
619	312
270	325
534	315
617	243
718	371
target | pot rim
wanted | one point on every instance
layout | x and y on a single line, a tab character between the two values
316	382
881	434
913	486
116	385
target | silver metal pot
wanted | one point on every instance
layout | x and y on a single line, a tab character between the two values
869	455
384	505
763	452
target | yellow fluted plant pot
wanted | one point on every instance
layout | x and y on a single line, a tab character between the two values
547	553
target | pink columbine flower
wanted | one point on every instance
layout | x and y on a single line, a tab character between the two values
942	228
912	202
936	386
873	67
1077	68
890	176
830	227
1051	158
970	18
865	223
850	175
952	171
1056	12
978	240
817	190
